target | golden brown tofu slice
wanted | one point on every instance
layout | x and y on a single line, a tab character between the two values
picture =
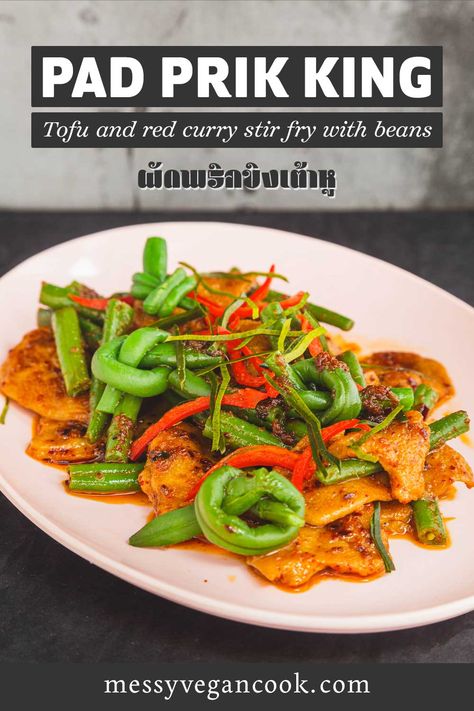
396	519
325	504
443	467
236	286
401	450
401	369
176	460
61	442
31	376
344	547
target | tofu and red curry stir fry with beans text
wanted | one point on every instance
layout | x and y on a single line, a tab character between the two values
243	415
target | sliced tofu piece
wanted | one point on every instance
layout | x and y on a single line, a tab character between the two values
443	467
344	547
401	450
31	376
396	519
325	504
403	369
176	460
61	442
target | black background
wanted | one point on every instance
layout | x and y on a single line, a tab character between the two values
54	606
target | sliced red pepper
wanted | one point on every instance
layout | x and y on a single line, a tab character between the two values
331	431
242	375
271	391
292	300
265	455
315	347
96	303
127	299
246	397
99	304
260	293
303	469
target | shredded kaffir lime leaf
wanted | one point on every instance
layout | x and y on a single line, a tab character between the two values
3	413
304	343
218	443
376	534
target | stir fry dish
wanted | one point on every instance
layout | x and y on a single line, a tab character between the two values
246	423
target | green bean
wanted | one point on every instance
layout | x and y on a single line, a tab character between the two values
349	469
448	427
297	427
406	397
121	372
118	319
43	317
56	297
278	365
70	350
182	524
429	524
156	298
425	397
346	403
189	303
193	386
232	533
147	280
239	433
155	257
315	324
120	433
139	291
91	332
165	354
142	383
104	478
168	529
176	295
319	312
443	429
355	369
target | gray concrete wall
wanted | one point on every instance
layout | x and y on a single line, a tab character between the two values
105	178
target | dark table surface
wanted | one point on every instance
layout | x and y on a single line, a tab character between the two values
57	607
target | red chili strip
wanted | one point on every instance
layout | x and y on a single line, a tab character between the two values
246	397
265	455
99	304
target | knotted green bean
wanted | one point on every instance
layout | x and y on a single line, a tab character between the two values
165	354
107	367
192	387
228	530
346	403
